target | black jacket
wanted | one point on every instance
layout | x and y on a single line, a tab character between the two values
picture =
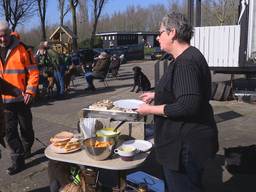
185	88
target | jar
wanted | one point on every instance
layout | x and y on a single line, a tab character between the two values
142	187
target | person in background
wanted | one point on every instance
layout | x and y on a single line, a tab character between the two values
186	135
5	88
115	65
99	71
75	58
58	64
70	73
122	59
19	69
44	66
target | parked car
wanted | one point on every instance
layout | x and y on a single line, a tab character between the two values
86	59
87	55
159	54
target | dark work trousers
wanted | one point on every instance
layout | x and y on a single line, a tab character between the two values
18	114
189	178
90	76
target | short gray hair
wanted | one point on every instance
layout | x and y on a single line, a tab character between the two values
4	26
179	22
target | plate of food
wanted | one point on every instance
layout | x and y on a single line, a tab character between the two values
128	103
140	145
64	142
104	104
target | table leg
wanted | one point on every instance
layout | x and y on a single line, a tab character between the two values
121	182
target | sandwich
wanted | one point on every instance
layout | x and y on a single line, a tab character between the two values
61	139
72	145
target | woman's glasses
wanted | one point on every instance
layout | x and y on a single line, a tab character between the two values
164	30
160	32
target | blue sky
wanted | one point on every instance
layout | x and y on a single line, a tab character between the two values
111	7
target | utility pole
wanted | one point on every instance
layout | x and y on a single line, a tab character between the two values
198	13
191	12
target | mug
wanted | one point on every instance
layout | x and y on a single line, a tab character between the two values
126	151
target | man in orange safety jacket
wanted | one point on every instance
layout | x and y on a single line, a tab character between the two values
18	68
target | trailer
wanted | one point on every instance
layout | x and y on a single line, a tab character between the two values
230	49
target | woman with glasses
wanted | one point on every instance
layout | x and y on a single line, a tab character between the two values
186	135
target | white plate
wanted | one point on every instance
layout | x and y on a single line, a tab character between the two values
141	145
128	103
62	150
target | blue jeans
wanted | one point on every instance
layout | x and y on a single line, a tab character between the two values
59	78
89	78
188	178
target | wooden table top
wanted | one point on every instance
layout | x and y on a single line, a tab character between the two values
81	158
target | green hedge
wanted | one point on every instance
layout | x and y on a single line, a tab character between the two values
148	51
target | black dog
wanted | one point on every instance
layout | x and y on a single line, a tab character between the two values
140	80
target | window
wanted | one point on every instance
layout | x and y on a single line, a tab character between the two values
113	37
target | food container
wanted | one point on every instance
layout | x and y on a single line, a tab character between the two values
113	115
90	175
99	152
107	132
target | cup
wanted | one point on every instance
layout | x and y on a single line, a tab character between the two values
126	151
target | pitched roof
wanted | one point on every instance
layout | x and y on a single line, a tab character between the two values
66	30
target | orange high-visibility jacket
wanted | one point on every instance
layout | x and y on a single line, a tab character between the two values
20	70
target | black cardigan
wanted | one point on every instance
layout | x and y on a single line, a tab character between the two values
185	88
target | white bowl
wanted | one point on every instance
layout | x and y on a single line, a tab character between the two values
126	151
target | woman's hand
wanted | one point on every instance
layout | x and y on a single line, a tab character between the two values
147	97
144	109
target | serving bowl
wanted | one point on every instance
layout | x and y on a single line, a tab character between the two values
99	148
107	132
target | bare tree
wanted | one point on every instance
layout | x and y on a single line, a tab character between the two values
224	11
63	11
42	13
17	11
73	4
83	20
133	19
97	9
156	14
220	12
